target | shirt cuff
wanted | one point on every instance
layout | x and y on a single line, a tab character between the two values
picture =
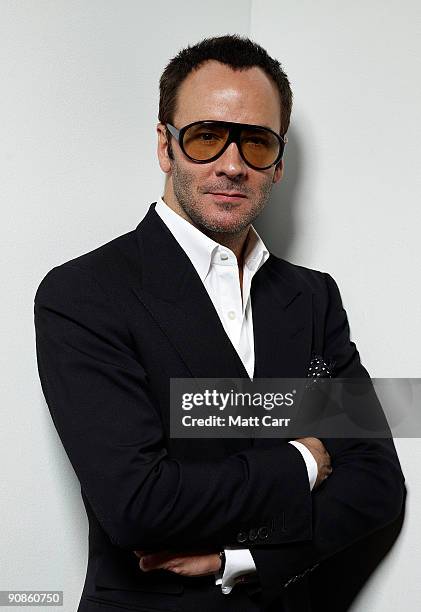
311	463
238	561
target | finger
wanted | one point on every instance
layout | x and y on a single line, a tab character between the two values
149	562
160	560
154	561
143	553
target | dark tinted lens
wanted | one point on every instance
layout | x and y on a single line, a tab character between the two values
203	141
260	147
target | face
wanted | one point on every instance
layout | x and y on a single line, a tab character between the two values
217	92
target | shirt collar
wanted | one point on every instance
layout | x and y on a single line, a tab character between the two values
201	249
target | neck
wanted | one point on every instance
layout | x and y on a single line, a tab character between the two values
235	241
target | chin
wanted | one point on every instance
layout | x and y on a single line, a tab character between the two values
225	225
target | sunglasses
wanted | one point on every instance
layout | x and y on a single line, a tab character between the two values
205	141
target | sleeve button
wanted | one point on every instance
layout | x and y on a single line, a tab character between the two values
241	537
253	534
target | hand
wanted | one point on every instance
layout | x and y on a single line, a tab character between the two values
322	457
184	564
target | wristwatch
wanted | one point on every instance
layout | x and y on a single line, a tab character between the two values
223	560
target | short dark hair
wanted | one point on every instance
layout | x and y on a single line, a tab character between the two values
232	50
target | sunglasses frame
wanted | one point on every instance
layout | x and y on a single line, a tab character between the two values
233	136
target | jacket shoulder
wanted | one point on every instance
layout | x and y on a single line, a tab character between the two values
110	264
300	276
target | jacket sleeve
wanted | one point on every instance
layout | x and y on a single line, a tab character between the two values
100	401
364	493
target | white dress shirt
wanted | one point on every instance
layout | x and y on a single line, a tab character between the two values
217	268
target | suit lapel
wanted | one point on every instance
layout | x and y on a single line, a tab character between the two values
282	322
173	293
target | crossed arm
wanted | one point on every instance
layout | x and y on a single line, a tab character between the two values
203	564
100	401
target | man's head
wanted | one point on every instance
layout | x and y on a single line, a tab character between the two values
227	79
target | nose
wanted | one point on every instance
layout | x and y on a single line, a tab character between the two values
230	163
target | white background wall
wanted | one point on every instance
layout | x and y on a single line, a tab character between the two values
79	101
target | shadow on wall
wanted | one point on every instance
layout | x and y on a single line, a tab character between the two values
277	224
336	583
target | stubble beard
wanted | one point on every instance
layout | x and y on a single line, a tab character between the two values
183	190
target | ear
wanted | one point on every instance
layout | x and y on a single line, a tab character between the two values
162	149
279	171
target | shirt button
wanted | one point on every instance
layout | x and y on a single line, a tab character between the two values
231	315
224	256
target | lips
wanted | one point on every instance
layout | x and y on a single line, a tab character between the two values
228	194
227	197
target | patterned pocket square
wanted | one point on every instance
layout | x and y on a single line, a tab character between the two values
319	368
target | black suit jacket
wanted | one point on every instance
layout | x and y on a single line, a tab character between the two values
112	327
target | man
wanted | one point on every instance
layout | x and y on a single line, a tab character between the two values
193	292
